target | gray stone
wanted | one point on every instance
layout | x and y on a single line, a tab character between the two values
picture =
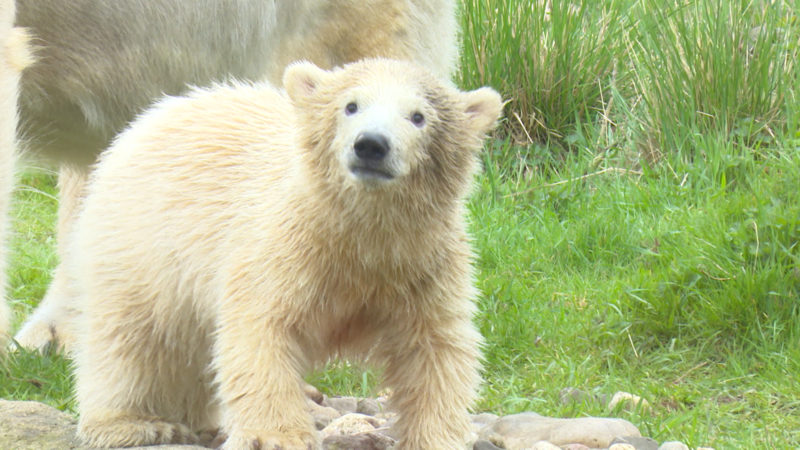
621	447
572	395
574	447
35	426
369	406
482	444
483	418
31	425
344	405
163	447
322	415
673	445
520	431
544	445
638	442
480	421
387	426
362	441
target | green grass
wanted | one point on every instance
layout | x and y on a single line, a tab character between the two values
654	284
636	224
33	240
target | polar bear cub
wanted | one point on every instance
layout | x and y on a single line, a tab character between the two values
235	238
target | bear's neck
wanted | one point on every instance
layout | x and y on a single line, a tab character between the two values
382	228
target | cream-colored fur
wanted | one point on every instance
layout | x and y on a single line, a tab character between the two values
101	62
233	239
13	58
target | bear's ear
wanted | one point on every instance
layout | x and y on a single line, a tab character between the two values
483	108
301	79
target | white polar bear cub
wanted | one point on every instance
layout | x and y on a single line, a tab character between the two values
233	239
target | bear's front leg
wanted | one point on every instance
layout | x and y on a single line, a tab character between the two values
258	364
433	368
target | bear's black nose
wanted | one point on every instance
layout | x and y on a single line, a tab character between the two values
371	146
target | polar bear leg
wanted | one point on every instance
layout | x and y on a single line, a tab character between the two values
51	323
142	378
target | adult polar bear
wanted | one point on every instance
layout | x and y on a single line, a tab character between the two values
13	57
102	62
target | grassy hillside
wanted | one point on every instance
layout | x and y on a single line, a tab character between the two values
636	224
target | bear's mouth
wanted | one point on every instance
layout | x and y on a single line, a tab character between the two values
367	173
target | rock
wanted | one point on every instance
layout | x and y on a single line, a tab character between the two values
322	415
627	401
344	405
638	442
621	447
352	423
162	447
484	418
35	426
480	421
482	444
31	425
674	445
574	447
386	415
387	426
544	445
362	441
369	406
572	395
520	431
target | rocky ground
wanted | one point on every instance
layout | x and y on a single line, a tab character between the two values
364	424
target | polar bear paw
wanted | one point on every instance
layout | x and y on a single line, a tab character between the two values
270	441
132	432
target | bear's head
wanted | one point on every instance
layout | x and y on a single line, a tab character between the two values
383	126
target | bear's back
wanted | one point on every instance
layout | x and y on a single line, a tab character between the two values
171	186
210	141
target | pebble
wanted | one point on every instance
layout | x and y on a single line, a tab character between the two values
627	401
574	447
342	404
621	447
345	423
322	415
482	444
520	431
361	441
638	442
480	421
352	423
572	395
369	406
674	445
544	445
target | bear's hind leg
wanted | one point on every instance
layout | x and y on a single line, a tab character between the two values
132	430
141	375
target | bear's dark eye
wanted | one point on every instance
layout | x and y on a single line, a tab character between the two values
418	119
351	108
